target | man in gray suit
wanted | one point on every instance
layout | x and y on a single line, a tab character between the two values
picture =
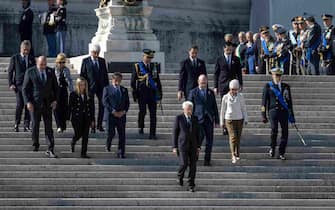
39	94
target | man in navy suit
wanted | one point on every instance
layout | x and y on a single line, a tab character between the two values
186	143
191	69
116	103
18	65
205	109
94	70
39	93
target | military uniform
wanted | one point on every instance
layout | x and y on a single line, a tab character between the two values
277	112
266	55
327	48
147	91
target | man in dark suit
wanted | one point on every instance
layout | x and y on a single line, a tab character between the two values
205	109
227	68
116	103
147	90
26	23
191	69
39	93
18	65
186	143
311	44
94	70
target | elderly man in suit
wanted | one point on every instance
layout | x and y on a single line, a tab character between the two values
206	110
191	69
18	65
94	70
39	93
186	143
116	103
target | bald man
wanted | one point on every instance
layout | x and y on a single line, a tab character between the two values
206	110
39	94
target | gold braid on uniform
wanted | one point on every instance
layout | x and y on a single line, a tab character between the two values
140	77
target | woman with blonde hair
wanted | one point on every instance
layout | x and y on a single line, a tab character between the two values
233	116
64	81
81	115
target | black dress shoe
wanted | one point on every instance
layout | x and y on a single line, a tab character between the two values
191	189
101	129
180	181
153	137
271	152
85	156
107	149
16	128
121	156
140	131
93	130
27	129
35	149
207	163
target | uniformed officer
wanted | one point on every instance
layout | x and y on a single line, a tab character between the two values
327	49
277	102
147	90
266	54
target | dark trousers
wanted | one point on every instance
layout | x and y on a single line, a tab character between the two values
81	130
188	158
120	125
313	65
44	112
61	112
145	100
19	109
101	108
281	117
207	130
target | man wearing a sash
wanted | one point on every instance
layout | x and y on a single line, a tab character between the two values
277	103
147	90
327	48
266	51
312	44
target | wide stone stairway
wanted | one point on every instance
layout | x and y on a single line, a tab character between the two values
146	179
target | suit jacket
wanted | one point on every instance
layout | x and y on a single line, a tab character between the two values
97	80
35	92
223	74
188	76
203	107
112	102
17	69
314	37
80	109
186	138
26	24
270	101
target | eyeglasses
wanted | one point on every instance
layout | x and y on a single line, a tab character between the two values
63	62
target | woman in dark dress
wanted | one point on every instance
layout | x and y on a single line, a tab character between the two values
81	115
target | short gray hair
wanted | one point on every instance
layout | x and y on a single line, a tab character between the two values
187	103
25	44
94	48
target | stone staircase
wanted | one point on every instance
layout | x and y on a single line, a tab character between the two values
147	178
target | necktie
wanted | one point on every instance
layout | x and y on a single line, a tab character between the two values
188	119
24	61
118	94
194	63
96	65
43	77
203	91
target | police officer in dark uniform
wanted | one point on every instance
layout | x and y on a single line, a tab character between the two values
277	102
327	48
147	90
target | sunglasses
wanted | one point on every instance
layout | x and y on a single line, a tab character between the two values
62	62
